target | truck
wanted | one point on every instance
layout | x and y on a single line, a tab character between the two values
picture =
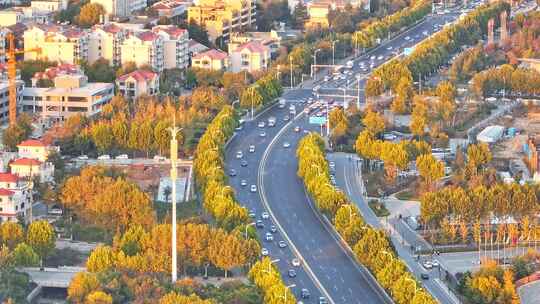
271	121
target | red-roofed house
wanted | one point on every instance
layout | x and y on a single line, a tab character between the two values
62	44
51	73
143	48
252	56
15	197
171	8
36	149
28	167
212	60
137	83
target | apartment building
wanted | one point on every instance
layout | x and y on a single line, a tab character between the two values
51	6
175	46
121	8
171	8
269	39
138	83
31	168
143	48
15	198
4	99
105	42
36	149
20	14
222	17
71	95
252	56
62	44
215	60
3	44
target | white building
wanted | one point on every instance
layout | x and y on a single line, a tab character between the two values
30	168
36	149
175	46
143	48
4	99
137	83
71	95
490	134
14	15
121	8
51	6
252	56
15	197
105	42
62	44
171	8
215	60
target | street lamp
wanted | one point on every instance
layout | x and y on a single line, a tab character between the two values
174	173
358	77
250	224
285	292
270	266
314	66
290	64
334	51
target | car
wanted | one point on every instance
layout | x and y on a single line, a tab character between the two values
160	158
239	128
304	293
239	154
259	224
262	134
251	149
252	214
264	252
372	57
243	183
269	237
292	273
273	228
82	157
424	276
297	129
286	144
336	77
435	263
55	211
389	136
427	265
104	157
232	172
286	118
322	300
265	215
244	163
327	78
407	38
261	124
296	262
122	156
381	57
253	188
389	48
282	244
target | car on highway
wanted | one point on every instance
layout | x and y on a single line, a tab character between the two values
273	228
262	134
252	214
304	293
389	48
251	148
269	237
350	64
435	263
244	163
425	33
104	157
239	154
261	124
122	157
264	252
281	104
286	118
271	121
427	265
372	57
322	300
82	157
297	129
259	224
160	158
424	276
243	183
327	78
381	57
296	262
407	38
253	188
282	244
292	273
286	144
232	172
265	215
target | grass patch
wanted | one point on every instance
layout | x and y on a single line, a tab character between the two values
185	210
89	233
379	208
65	257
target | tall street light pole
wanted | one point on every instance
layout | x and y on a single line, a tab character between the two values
287	289
334	52
174	174
290	64
314	66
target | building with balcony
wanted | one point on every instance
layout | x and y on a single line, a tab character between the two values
175	46
121	8
30	168
138	83
4	99
220	18
143	48
36	149
215	60
62	44
16	15
15	198
268	39
71	95
171	8
105	42
51	6
251	57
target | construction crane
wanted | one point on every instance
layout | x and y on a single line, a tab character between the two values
11	54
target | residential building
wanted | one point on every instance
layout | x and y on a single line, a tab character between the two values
121	8
11	16
105	42
15	198
171	8
3	45
195	48
175	46
36	149
251	57
51	73
143	48
269	39
215	60
62	44
137	83
4	99
30	168
71	95
51	6
222	17
318	11
14	15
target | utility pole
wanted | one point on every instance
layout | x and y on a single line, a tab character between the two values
334	52
290	64
174	174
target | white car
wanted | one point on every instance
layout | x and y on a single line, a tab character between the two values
286	145
265	215
122	156
407	38
264	252
243	183
82	157
269	237
435	263
239	154
104	157
296	262
251	149
428	265
327	78
261	124
262	134
389	48
253	188
381	57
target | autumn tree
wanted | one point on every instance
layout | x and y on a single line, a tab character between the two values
17	132
101	259
82	285
11	234
25	256
41	238
373	122
430	170
98	297
175	298
339	123
90	14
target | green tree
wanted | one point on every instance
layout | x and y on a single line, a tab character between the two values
99	71
16	133
41	238
25	256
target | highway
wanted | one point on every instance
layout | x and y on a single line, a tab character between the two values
327	269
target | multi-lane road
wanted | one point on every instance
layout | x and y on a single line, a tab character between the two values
327	268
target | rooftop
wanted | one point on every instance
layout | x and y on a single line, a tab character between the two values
139	75
26	162
213	54
8	178
6	192
32	143
88	89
